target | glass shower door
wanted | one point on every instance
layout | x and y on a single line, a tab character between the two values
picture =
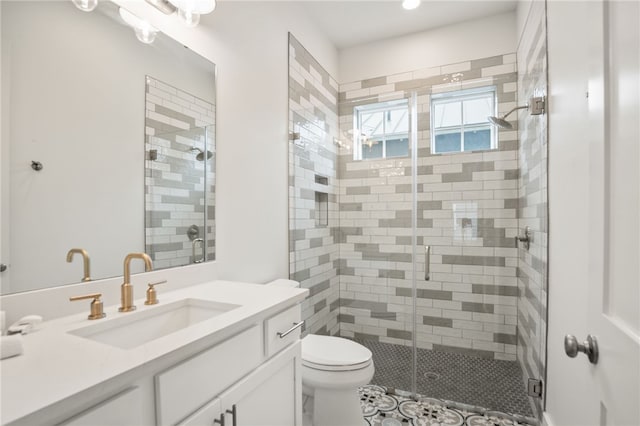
467	208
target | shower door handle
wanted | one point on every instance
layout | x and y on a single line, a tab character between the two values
427	263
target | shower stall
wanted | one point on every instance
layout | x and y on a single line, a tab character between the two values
408	211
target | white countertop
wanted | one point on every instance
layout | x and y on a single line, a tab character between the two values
57	365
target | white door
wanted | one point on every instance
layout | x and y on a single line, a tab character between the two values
614	255
594	191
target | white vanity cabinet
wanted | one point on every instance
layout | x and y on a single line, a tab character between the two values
187	386
244	361
250	379
271	395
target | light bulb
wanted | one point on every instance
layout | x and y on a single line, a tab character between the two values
410	4
146	35
85	5
145	32
190	19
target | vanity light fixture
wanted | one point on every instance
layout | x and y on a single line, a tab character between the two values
85	5
410	4
188	11
145	32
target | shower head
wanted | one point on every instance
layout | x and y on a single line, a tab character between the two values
535	105
200	155
502	122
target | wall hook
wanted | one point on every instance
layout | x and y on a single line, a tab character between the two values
36	165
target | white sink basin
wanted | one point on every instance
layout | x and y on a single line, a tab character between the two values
136	328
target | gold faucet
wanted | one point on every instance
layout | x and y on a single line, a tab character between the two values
85	260
126	289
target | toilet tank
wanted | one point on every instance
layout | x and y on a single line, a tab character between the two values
284	283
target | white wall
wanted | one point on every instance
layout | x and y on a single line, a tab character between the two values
481	38
522	13
249	44
252	226
248	41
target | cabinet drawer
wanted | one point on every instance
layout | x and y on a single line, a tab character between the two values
280	323
122	409
189	385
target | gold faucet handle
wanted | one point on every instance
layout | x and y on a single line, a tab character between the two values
152	296
96	305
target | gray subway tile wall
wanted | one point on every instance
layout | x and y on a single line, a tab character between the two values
478	188
313	226
532	263
175	121
359	267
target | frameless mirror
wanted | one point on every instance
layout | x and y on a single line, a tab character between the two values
107	146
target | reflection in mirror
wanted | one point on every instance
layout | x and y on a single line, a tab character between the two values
180	176
77	100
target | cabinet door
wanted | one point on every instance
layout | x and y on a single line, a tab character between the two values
270	396
204	416
189	385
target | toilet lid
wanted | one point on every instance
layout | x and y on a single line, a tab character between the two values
333	353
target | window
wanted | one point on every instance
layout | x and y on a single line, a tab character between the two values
382	130
459	120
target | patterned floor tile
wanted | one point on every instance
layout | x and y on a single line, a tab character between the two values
382	408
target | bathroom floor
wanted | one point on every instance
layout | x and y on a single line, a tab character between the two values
491	384
380	408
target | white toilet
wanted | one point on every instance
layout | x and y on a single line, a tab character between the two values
332	370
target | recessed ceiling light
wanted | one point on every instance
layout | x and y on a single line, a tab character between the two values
410	4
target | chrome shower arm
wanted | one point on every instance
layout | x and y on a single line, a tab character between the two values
515	109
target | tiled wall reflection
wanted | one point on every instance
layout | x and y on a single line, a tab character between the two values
176	123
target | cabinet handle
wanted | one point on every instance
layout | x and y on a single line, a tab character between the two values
219	422
282	335
234	414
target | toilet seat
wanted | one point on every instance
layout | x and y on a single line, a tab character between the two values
329	353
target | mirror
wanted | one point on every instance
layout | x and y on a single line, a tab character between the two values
107	145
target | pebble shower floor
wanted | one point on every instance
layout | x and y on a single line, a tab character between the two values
380	408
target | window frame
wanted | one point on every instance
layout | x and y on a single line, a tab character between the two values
383	107
461	96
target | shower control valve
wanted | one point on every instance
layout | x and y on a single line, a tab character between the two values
526	239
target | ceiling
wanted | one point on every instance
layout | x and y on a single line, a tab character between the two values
353	22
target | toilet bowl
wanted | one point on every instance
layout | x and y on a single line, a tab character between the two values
332	370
